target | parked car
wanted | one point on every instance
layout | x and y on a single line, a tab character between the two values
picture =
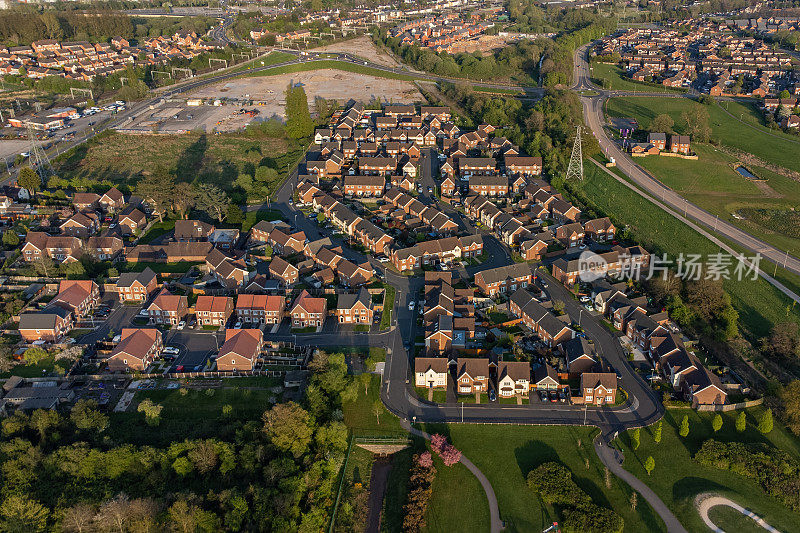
411	305
492	395
179	368
553	396
543	396
143	313
383	259
181	324
172	350
238	325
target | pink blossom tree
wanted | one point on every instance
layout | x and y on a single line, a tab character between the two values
425	460
450	455
438	442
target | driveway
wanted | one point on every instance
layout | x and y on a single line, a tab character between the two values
195	346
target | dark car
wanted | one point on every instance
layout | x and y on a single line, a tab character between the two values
492	395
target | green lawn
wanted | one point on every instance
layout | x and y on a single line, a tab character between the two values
157	230
458	502
251	218
614	78
271	59
712	183
505	454
336	65
773	147
361	419
759	304
44	368
729	519
388	307
677	479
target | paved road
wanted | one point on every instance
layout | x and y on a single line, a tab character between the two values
593	115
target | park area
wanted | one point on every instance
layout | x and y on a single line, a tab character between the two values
677	478
612	77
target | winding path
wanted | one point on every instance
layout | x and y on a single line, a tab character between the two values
612	458
704	503
496	525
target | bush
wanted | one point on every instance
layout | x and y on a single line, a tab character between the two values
775	471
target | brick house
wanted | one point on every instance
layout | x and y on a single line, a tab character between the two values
112	200
213	310
599	388
240	350
78	296
679	144
81	225
168	308
523	166
284	271
472	375
260	308
49	325
132	220
192	230
308	311
355	308
600	230
364	185
136	350
504	279
570	235
136	286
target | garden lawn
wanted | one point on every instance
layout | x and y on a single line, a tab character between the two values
45	367
772	146
505	454
677	479
157	230
759	304
617	80
251	218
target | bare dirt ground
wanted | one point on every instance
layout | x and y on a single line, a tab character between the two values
363	47
482	43
327	83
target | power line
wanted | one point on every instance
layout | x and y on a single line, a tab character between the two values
575	169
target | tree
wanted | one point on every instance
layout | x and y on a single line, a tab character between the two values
377	410
289	427
114	514
684	430
35	355
10	238
182	516
184	197
86	416
765	424
716	424
152	411
649	464
741	421
634	500
29	180
204	456
662	123
73	269
785	94
298	117
42	420
212	200
790	397
365	379
635	438
157	189
78	518
783	342
22	515
697	123
44	266
234	214
657	432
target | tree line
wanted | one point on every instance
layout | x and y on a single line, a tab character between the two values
79	471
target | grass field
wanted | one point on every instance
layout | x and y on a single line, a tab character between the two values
759	304
613	77
774	147
192	157
505	454
45	367
712	183
677	479
361	419
388	307
336	65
